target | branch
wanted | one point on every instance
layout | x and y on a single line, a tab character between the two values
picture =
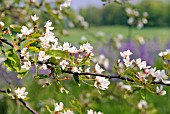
111	77
6	42
28	107
2	91
23	102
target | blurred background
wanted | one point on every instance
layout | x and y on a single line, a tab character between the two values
106	27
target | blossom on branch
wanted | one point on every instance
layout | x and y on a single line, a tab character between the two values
26	65
101	83
98	69
42	56
20	93
63	64
160	91
126	54
59	107
34	18
26	31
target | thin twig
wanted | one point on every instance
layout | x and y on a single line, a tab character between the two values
7	42
111	77
28	107
25	104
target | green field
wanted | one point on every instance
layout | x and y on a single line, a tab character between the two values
161	34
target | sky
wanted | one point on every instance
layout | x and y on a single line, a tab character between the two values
77	4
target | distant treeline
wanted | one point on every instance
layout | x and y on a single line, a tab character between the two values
114	14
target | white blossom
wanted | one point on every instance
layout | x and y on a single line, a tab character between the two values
19	35
48	26
72	50
24	53
20	92
160	75
93	112
130	20
101	83
126	53
98	69
127	61
124	87
42	56
66	46
67	112
59	107
65	4
162	54
34	18
26	65
63	64
142	104
43	67
26	31
160	90
75	69
143	65
2	24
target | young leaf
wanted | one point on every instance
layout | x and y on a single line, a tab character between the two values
57	53
13	61
15	28
77	105
41	76
76	78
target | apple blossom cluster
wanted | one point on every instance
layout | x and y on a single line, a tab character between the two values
48	42
145	71
21	93
135	18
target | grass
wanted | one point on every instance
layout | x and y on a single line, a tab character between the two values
160	34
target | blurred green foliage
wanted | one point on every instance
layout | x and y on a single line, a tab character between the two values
113	14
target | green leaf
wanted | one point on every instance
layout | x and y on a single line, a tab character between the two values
130	72
47	6
142	93
35	35
48	108
58	53
13	61
41	76
15	28
32	42
167	57
23	73
35	49
76	78
52	60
